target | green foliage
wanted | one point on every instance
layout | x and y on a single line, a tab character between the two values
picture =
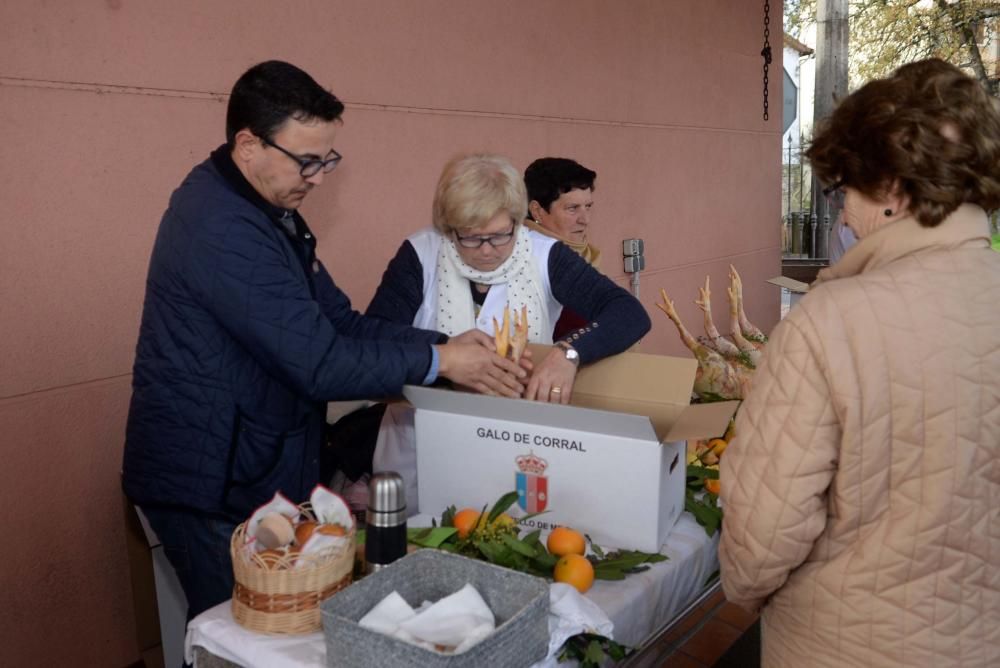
885	34
500	543
431	537
591	650
616	565
703	505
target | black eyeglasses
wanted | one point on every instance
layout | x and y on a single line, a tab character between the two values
310	166
829	190
477	240
835	193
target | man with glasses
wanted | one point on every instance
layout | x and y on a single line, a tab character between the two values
245	337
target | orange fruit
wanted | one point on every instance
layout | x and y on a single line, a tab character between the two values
575	570
563	541
465	521
712	485
718	445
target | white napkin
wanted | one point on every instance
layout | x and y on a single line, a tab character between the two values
570	613
278	504
459	620
388	614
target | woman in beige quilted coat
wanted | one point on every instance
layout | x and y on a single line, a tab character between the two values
862	491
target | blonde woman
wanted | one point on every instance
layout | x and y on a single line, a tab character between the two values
477	258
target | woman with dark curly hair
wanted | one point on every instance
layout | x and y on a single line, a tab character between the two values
862	489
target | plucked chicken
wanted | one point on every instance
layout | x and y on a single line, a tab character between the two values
717	377
725	367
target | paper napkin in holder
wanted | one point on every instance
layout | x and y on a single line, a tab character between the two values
454	623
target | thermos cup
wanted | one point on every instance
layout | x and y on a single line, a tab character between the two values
385	535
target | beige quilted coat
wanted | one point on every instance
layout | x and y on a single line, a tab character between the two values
862	490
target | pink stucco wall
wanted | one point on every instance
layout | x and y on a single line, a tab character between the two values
104	106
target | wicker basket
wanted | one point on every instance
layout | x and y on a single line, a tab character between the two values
272	596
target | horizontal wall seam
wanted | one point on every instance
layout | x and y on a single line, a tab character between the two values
61	389
113	89
697	263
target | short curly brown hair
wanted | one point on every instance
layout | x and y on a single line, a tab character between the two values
929	126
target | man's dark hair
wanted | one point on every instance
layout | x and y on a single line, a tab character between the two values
270	93
548	178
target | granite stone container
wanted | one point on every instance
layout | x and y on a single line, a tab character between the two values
520	604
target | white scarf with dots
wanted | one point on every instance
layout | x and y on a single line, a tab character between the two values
520	272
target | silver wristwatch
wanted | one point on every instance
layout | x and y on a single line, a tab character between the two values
571	353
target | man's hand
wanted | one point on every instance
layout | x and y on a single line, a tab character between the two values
473	365
475	336
553	379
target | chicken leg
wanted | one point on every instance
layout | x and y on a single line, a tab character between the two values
723	345
750	332
751	351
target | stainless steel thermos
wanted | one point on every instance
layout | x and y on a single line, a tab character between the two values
385	535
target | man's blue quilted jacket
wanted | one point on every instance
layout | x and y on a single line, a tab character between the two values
244	337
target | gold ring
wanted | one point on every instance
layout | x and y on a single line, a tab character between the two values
556	390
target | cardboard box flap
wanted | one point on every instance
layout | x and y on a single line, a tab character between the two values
789	284
656	379
701	421
660	416
621	424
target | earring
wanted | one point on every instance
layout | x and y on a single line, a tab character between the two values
888	212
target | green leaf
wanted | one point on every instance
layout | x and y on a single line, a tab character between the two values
608	574
495	552
519	562
700	474
626	559
359	538
594	547
595	653
546	561
502	505
533	538
620	564
706	512
431	537
448	517
518	546
617	651
418	533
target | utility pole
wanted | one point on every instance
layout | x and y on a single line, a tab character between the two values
832	31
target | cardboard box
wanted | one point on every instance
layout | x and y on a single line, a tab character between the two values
611	465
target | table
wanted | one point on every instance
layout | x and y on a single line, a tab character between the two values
639	607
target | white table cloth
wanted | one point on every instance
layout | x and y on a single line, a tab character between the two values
638	606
